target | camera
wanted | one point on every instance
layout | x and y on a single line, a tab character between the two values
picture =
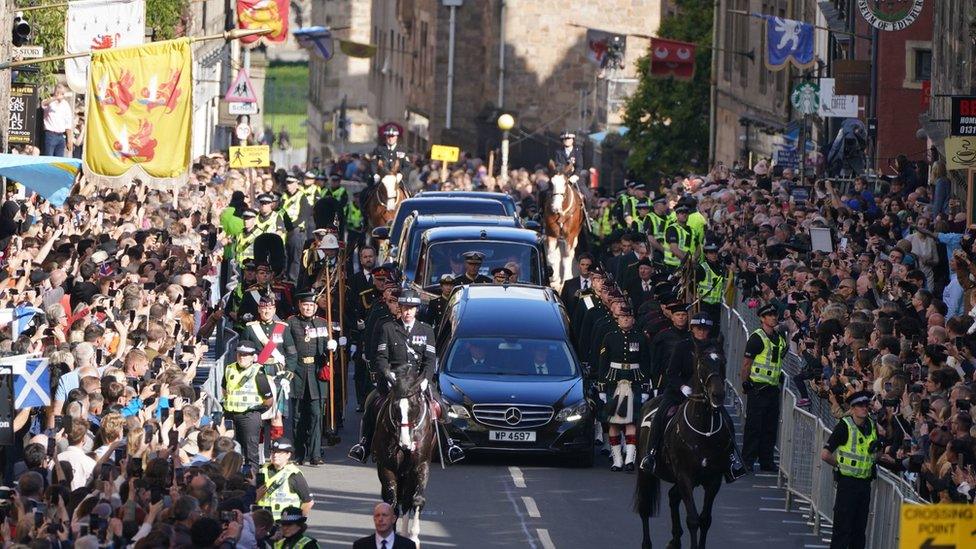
916	388
890	402
227	516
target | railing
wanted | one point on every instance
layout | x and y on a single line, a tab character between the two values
802	434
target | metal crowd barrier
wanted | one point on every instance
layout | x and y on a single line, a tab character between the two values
809	481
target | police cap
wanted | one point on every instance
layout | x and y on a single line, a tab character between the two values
643	205
767	309
282	445
711	247
702	319
249	214
246	348
266	198
860	398
409	298
292	515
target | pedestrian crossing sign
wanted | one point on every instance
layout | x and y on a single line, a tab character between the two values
241	90
445	153
937	526
254	156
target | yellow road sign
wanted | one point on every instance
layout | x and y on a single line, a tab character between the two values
254	156
445	153
938	526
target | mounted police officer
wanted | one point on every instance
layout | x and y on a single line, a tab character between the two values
384	157
762	372
284	485
623	383
569	154
247	394
404	344
472	264
312	344
711	285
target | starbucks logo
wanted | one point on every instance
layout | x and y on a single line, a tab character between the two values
890	15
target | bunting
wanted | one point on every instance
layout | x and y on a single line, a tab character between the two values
139	114
97	25
672	58
263	14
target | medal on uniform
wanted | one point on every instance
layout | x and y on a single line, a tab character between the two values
634	347
307	336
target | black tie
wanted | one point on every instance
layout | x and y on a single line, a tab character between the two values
383	544
586	283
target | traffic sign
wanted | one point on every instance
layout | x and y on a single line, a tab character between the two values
242	108
241	90
253	156
937	526
445	153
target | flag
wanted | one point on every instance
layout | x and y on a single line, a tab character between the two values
139	113
48	176
317	40
357	49
32	381
87	28
263	14
23	317
672	58
788	41
598	46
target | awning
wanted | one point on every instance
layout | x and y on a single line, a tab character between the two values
598	137
48	176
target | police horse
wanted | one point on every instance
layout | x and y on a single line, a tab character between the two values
694	452
403	447
563	218
381	203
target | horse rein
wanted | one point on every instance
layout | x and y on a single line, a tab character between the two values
711	420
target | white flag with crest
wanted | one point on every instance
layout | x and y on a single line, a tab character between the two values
98	25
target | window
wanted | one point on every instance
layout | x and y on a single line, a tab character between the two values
918	63
923	65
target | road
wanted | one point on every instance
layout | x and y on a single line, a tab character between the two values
537	503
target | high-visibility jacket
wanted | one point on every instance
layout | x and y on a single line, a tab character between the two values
603	224
354	216
279	494
657	227
271	224
684	244
854	457
242	388
244	245
628	205
697	224
710	289
767	365
291	205
300	544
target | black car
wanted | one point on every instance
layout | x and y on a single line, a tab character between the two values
406	252
509	376
441	205
504	198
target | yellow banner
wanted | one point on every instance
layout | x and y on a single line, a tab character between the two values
252	156
139	113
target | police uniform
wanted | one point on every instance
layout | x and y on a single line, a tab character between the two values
680	235
273	222
572	155
854	447
244	242
308	392
271	339
341	197
623	380
656	225
294	207
300	540
762	389
626	205
711	288
285	487
247	393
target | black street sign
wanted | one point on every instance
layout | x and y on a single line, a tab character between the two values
22	128
963	116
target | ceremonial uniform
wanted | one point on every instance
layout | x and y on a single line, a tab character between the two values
309	393
854	447
271	339
247	394
280	291
465	279
767	351
435	311
624	375
384	156
663	346
584	336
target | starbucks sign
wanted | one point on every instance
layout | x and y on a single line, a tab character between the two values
890	15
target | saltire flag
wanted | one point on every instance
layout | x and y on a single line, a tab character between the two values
49	176
32	381
140	114
317	40
672	58
96	25
788	41
263	14
598	45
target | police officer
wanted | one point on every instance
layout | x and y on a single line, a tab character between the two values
312	344
384	158
402	345
697	222
472	264
269	219
271	337
623	385
642	220
762	373
569	154
678	240
665	342
284	485
293	531
625	209
656	224
853	451
295	207
247	394
437	306
711	285
244	242
340	195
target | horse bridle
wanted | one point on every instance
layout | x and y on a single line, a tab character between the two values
712	429
405	422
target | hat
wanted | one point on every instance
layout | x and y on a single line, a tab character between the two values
678	307
335	177
266	198
266	301
319	233
701	319
391	130
246	348
282	444
262	265
309	175
380	271
329	242
292	515
644	261
660	200
682	209
638	186
320	176
249	214
767	309
710	247
409	298
291	179
597	271
643	204
860	397
99	257
626	311
476	257
501	270
39	275
447	278
567	135
306	297
249	265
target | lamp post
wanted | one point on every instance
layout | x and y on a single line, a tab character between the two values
505	123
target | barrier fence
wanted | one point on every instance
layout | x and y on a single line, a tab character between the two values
808	481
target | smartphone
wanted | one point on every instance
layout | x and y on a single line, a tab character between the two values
180	474
176	329
137	465
38	518
229	425
164	414
132	317
227	516
106	472
82	530
177	417
58	423
148	430
216	417
149	286
52	446
174	438
246	470
120	453
259	479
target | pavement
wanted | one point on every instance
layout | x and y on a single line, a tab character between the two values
539	503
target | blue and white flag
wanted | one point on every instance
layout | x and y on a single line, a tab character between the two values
32	381
788	41
22	317
317	40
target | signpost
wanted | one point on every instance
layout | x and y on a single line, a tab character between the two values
937	526
22	129
963	116
446	154
253	156
28	52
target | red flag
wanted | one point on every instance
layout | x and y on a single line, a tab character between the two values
926	94
672	58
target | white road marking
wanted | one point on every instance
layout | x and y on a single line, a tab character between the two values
521	517
517	477
531	507
545	539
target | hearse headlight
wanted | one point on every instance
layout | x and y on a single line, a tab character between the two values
573	413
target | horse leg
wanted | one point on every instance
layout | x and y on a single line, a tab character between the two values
388	487
552	256
567	257
674	500
692	519
711	490
419	500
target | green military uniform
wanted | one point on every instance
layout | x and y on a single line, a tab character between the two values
309	394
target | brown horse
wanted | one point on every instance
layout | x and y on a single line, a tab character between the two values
563	218
381	203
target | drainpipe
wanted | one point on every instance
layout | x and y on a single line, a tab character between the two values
501	56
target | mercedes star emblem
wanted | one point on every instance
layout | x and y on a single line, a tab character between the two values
513	416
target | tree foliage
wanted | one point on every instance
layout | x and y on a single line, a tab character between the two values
668	118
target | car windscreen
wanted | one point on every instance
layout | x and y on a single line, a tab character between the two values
511	356
446	258
458	206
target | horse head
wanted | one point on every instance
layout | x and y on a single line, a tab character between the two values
559	185
409	410
389	184
710	378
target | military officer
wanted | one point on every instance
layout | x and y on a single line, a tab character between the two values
761	371
623	385
472	264
284	484
387	154
437	306
271	337
406	344
312	345
265	285
248	277
665	342
247	394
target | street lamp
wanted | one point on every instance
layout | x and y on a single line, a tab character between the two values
505	123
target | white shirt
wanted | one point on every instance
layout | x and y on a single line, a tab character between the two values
408	327
584	283
388	539
82	466
58	116
541	368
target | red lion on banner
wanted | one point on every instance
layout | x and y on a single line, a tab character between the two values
268	14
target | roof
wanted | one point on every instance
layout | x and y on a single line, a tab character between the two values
489	195
432	205
469	232
515	310
434	220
